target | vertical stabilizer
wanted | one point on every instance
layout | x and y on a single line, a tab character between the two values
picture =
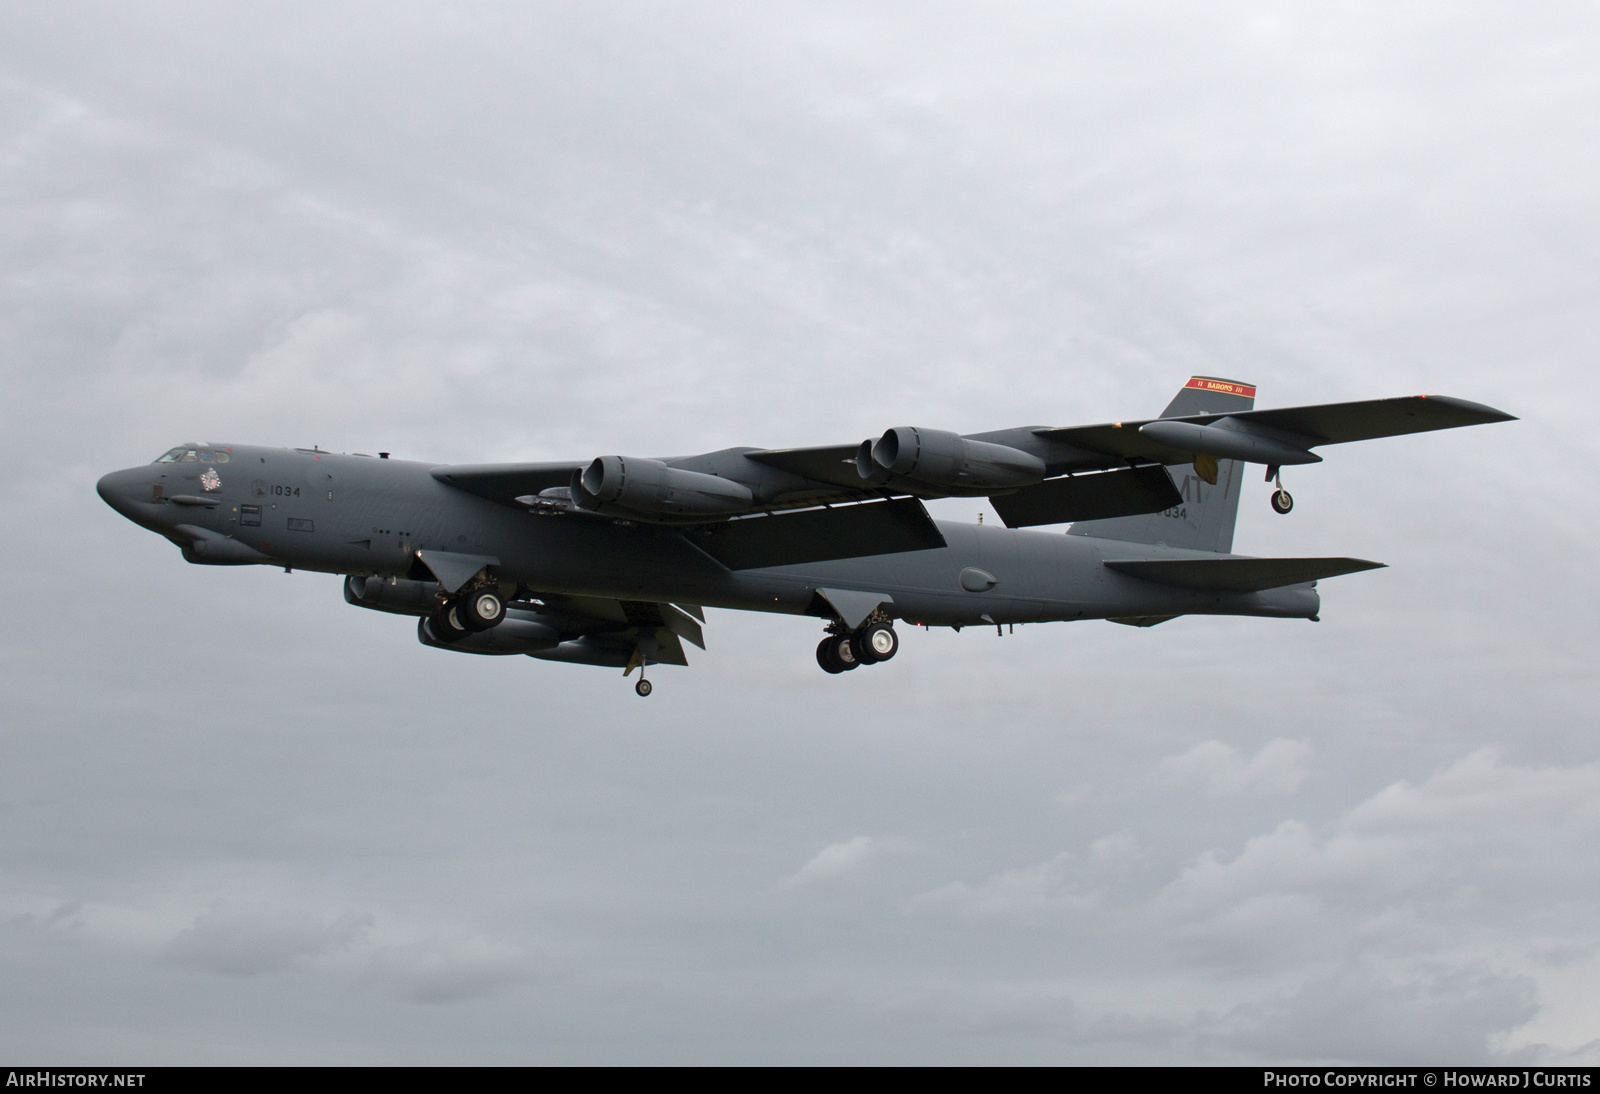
1204	520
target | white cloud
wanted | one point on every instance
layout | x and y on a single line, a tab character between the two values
1407	837
841	862
1022	893
1279	768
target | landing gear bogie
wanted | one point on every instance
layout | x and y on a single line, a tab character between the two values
841	652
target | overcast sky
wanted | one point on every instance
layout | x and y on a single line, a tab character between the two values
241	821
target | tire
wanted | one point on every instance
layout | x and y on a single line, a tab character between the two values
481	609
827	658
876	642
446	624
643	688
1282	502
844	652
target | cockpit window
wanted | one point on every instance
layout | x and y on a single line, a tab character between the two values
185	454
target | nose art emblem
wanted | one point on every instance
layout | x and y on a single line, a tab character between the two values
210	480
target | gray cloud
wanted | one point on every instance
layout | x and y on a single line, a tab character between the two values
436	971
250	940
540	231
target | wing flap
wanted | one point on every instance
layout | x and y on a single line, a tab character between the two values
1126	492
1238	575
819	535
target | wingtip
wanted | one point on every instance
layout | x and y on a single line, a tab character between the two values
1487	413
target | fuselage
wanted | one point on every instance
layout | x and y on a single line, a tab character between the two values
370	516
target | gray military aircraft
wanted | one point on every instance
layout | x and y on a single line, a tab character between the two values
610	561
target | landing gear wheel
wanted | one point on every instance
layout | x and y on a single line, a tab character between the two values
876	642
1281	501
643	688
480	610
446	624
827	658
844	651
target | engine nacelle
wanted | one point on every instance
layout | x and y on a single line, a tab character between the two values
941	458
398	595
584	651
651	487
521	631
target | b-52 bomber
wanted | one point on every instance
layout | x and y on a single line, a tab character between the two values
611	561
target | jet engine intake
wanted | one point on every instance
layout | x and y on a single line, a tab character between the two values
938	457
651	487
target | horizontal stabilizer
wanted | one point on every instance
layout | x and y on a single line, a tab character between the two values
1238	575
819	535
1124	493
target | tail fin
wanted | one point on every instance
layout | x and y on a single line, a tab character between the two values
1204	520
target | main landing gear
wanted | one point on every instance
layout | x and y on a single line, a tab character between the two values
464	615
842	650
1281	501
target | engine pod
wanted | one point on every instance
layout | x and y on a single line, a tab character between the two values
652	488
938	457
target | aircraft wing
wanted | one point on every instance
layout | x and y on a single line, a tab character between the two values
834	464
819	535
1113	443
731	503
506	482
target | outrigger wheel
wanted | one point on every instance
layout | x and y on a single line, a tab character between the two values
643	688
1281	501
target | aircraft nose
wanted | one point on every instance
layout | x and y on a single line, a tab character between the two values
120	488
